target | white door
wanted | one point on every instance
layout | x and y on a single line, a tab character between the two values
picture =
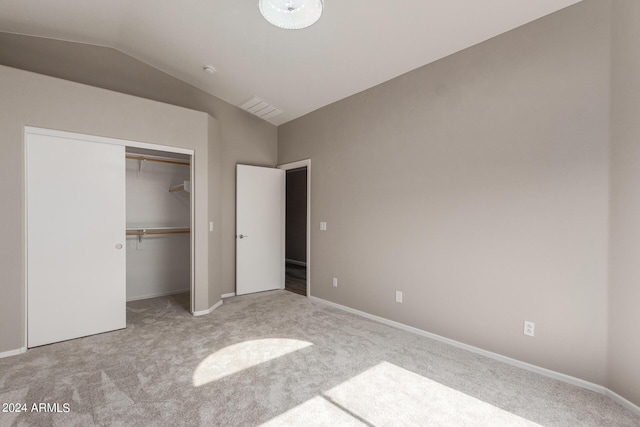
76	277
259	229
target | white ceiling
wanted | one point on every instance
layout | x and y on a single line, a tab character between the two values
355	45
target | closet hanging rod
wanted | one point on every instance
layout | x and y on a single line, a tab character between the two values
158	159
146	232
154	228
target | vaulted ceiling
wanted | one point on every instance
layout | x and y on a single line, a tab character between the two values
355	45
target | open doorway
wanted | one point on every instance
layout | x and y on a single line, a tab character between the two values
297	205
296	231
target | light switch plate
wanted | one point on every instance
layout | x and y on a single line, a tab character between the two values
323	226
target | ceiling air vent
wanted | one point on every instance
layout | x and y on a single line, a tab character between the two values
258	107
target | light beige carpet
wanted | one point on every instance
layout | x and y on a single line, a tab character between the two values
277	359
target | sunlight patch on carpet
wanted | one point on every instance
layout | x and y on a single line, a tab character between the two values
387	394
244	355
316	411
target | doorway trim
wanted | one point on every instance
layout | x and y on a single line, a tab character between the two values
112	141
297	165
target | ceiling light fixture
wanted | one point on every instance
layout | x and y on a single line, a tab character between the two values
291	14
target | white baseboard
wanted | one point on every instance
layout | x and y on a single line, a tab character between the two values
209	310
13	352
158	294
229	295
622	401
294	262
508	360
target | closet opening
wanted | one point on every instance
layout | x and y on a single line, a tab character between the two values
122	214
158	218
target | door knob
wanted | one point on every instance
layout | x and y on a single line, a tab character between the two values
242	236
119	246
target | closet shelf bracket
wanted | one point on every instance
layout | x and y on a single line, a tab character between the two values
185	186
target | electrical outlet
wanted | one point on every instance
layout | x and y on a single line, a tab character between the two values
323	226
335	282
399	296
529	328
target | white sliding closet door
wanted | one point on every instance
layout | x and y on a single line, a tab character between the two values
76	277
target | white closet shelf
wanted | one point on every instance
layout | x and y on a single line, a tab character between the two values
185	186
156	230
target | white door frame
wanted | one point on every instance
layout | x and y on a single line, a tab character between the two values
296	165
112	141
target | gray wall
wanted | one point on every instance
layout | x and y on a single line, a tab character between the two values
624	292
28	99
478	186
296	212
245	138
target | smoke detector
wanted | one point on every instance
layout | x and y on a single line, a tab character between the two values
209	69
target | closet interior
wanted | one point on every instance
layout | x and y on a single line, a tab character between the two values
158	218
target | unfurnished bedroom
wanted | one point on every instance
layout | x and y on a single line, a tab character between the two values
314	212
